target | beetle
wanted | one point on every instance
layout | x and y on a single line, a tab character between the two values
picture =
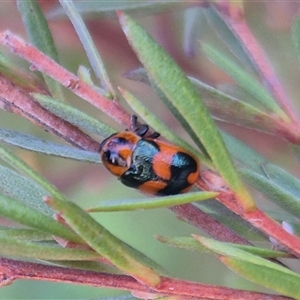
142	161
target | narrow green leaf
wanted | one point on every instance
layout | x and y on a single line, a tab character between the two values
108	8
24	168
245	80
75	116
33	143
233	221
283	216
106	244
227	36
39	35
25	234
221	105
245	155
24	190
25	215
283	179
177	87
151	120
193	245
296	35
37	27
89	46
229	109
10	246
254	268
178	115
150	203
187	243
85	265
193	20
285	284
228	250
275	193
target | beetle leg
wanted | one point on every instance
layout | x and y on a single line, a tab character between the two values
154	135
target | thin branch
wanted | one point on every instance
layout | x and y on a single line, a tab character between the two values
241	30
45	64
209	225
18	101
12	270
256	217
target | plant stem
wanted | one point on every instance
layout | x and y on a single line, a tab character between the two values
210	226
241	30
256	217
12	270
45	64
18	101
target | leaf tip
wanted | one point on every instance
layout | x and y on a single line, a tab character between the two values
123	19
122	91
52	202
48	200
121	15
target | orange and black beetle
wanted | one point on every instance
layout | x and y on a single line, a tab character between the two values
148	164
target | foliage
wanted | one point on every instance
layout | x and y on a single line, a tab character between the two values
94	255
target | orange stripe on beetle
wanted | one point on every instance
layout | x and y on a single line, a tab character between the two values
149	186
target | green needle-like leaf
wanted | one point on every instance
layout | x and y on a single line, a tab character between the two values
24	168
256	269
89	46
282	197
24	190
245	155
229	109
283	179
33	143
11	246
25	234
225	33
75	116
39	35
138	8
193	245
221	105
106	244
278	281
180	91
245	80
25	215
150	203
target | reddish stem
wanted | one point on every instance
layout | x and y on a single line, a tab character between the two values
256	217
12	270
45	64
20	102
209	225
241	30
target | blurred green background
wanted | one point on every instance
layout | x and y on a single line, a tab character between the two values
87	184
